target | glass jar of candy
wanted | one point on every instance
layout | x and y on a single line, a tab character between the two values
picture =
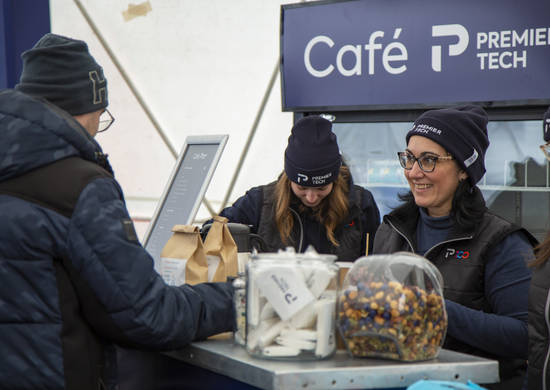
391	306
291	305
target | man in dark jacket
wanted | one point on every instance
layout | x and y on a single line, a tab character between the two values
75	279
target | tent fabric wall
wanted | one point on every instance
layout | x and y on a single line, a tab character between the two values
202	67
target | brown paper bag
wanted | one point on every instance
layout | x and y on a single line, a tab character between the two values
221	251
183	259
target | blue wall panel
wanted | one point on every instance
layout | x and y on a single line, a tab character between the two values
22	23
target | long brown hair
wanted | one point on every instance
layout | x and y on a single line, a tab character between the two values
331	212
542	252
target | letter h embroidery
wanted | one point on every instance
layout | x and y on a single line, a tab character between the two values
99	86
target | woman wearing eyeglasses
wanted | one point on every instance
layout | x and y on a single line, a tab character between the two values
481	256
539	300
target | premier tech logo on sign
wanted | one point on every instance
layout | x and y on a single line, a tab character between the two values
393	57
359	53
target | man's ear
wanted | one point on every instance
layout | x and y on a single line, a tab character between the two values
462	175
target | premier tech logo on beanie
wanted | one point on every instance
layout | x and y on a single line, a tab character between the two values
462	131
62	71
312	157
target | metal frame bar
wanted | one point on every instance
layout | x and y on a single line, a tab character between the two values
134	90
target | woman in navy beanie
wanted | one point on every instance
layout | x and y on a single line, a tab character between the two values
481	256
313	202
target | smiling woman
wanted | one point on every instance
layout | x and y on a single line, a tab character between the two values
444	214
432	188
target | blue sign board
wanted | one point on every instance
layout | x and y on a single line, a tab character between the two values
384	54
22	23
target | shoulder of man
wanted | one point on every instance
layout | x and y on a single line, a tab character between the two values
56	186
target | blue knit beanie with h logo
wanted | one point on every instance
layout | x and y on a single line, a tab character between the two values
62	71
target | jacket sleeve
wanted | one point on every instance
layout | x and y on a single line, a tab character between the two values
247	209
122	297
504	331
371	220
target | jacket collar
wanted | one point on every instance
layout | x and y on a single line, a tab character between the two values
37	133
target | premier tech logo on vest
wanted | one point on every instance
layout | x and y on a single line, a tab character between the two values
456	254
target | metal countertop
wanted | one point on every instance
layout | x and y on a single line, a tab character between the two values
339	372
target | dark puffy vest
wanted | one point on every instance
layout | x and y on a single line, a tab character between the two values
349	238
461	261
96	360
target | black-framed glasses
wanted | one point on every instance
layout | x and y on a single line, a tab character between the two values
105	121
426	162
546	150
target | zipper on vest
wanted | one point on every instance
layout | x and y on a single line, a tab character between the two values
402	235
446	242
301	229
433	247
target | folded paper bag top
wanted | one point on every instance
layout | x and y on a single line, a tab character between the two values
183	259
221	251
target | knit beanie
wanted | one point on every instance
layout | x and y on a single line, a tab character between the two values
62	71
462	131
546	125
312	157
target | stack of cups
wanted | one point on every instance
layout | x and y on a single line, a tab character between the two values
290	305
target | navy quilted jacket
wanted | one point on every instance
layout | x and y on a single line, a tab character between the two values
74	278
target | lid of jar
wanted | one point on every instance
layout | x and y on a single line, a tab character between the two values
396	266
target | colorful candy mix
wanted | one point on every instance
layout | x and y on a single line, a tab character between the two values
391	320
